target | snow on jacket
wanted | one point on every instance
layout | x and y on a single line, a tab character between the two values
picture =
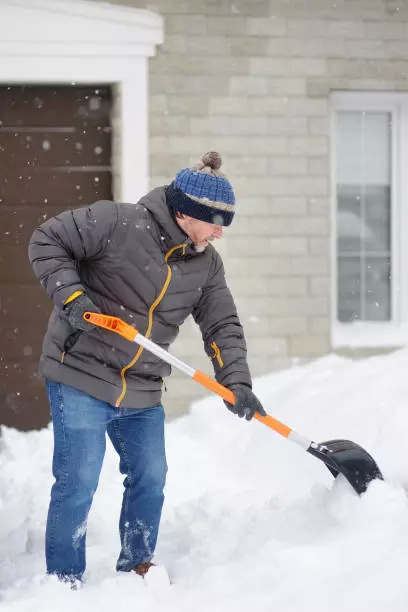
134	262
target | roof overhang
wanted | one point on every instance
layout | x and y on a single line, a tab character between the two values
86	41
59	28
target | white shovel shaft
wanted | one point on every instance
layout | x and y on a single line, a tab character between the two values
163	354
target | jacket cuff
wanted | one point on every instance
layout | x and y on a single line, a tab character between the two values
73	296
62	295
234	378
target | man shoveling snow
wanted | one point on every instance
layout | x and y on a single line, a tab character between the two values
151	263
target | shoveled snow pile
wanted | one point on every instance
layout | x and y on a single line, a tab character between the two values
251	521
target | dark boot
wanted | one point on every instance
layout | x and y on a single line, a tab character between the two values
143	568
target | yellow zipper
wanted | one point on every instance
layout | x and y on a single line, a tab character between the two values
217	354
150	321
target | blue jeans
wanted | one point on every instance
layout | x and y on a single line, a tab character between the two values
80	424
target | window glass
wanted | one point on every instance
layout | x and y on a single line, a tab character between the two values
363	172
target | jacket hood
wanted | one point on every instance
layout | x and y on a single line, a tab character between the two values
156	203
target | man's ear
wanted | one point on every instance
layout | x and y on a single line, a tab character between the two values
179	215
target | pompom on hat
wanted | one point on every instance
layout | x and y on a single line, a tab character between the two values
203	192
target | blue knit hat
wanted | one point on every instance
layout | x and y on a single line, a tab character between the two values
202	192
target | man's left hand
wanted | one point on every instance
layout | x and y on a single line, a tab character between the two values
246	402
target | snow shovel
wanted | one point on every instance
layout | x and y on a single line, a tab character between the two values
340	456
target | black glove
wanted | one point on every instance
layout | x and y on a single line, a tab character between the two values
246	402
74	310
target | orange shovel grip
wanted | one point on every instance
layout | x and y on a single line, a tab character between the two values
112	324
228	395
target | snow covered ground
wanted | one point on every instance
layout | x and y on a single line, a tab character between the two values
251	521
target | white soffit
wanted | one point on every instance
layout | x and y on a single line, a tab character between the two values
77	28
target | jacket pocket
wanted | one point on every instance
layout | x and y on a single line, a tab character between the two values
70	342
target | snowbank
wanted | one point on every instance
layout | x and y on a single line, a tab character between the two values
250	521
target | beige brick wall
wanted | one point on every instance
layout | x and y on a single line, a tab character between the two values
252	79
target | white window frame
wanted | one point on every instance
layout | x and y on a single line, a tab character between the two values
82	42
392	333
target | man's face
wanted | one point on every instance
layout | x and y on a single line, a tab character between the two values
200	232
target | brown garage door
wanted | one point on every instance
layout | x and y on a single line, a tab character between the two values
55	154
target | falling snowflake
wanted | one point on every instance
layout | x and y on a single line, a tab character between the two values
94	104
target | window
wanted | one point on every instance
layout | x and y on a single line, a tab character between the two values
363	216
370	261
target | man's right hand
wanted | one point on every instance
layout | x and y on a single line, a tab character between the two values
75	309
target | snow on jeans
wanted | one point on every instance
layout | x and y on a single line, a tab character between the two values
80	423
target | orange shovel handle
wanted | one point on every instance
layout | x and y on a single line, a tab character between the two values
127	331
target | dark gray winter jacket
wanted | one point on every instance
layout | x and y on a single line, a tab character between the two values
134	262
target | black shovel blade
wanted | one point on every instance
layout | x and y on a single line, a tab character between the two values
347	458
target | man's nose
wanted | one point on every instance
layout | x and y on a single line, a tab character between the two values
217	233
